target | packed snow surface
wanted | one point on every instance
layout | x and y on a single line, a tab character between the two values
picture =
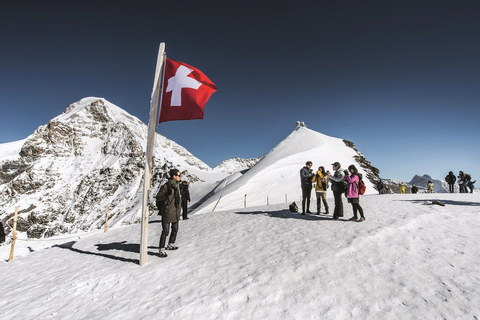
408	260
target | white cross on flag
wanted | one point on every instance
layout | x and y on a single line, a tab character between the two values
186	90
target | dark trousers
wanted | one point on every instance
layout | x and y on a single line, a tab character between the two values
184	209
357	208
306	195
338	211
450	187
166	231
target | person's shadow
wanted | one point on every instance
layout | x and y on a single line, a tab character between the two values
118	246
287	214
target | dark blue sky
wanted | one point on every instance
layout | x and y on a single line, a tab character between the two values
399	78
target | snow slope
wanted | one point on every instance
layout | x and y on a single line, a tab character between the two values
277	176
407	261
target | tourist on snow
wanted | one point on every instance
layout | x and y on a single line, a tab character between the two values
403	187
469	184
185	194
414	189
2	233
462	182
338	189
451	179
430	187
321	186
306	175
352	192
381	187
169	204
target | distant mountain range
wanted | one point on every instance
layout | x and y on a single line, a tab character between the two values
90	159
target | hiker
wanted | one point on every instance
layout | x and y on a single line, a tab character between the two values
414	189
403	187
462	182
352	192
430	187
321	186
306	175
450	179
169	204
2	233
338	189
469	184
381	187
185	194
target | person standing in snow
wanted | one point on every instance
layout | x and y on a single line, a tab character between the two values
185	193
169	204
414	189
469	184
450	179
306	175
352	192
338	189
430	187
320	180
462	180
403	187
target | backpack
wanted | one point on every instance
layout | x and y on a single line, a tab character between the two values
361	187
468	177
293	207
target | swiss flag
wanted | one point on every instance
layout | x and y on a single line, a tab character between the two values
186	90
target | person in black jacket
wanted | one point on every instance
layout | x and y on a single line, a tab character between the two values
338	189
169	206
450	179
185	193
306	175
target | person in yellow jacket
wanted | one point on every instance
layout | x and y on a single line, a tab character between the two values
403	187
430	187
320	180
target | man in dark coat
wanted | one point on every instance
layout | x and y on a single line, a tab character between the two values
450	179
338	189
306	175
169	203
185	193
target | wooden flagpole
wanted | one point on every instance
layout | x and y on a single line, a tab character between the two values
152	123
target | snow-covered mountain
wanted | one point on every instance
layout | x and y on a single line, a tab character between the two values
275	179
236	164
91	157
421	181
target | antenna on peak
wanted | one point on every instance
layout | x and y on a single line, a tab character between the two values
300	124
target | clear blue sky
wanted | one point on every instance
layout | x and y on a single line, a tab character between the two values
401	79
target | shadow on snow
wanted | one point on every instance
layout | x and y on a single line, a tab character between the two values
445	202
286	214
120	246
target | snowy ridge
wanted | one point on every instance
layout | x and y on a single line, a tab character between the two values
236	164
276	177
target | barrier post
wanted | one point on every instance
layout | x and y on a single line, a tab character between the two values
267	201
106	218
217	203
14	235
245	201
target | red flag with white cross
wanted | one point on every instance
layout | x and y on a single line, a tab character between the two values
186	90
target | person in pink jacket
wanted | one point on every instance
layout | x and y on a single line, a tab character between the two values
353	178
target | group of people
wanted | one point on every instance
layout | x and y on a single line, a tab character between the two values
464	181
171	199
342	182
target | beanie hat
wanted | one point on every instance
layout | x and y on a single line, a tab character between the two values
173	172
